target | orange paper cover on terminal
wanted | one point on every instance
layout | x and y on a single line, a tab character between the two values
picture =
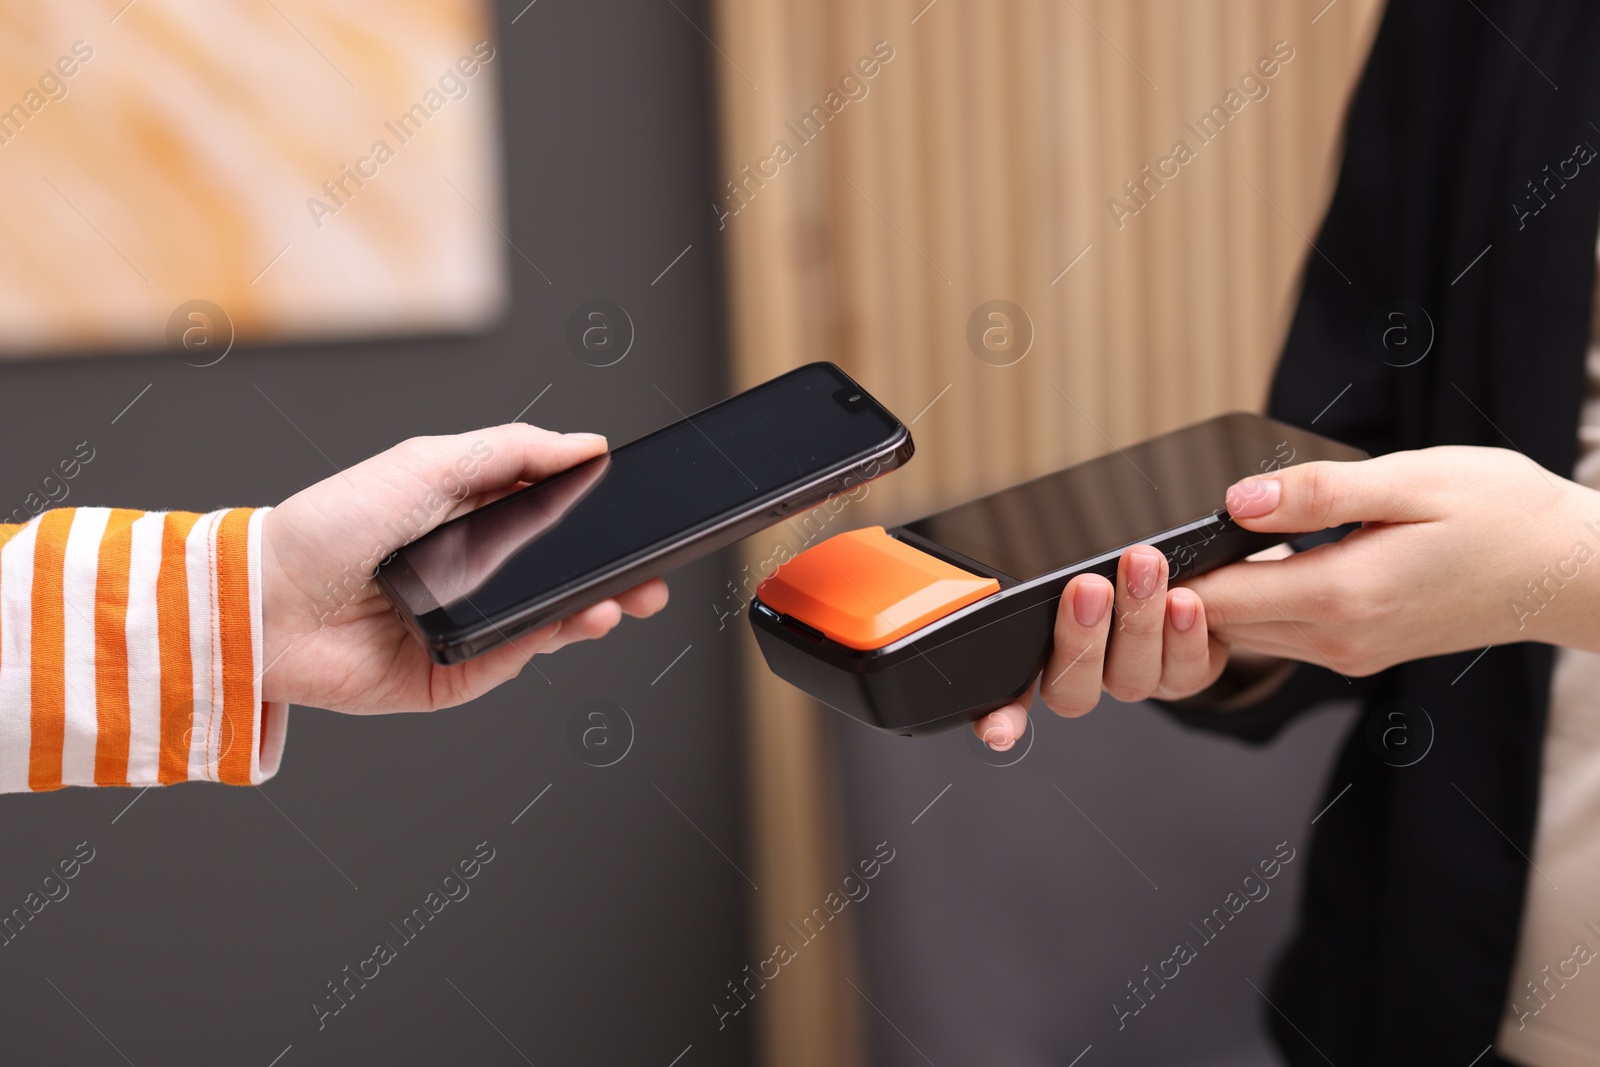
864	589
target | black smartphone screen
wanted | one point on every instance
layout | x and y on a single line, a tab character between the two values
1121	498
650	493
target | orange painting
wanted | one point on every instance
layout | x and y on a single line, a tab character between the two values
314	168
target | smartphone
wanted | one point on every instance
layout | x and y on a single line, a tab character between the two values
939	621
597	529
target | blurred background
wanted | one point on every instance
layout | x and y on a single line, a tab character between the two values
242	246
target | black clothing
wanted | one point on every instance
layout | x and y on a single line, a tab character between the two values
1409	924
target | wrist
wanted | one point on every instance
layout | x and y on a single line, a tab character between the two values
1558	601
277	594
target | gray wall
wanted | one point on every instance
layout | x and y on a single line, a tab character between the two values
1020	904
211	917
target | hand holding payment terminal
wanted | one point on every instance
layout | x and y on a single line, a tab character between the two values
940	621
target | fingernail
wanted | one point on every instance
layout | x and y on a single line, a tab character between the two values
585	437
1253	497
999	738
1144	572
1184	608
1090	601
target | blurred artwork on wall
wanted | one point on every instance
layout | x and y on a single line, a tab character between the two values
313	168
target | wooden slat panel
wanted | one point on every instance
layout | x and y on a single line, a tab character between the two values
978	165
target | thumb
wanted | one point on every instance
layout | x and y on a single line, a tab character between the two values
487	459
1322	494
356	517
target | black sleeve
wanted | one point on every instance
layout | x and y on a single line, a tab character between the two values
1306	687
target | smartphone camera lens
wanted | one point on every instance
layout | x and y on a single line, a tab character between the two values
851	399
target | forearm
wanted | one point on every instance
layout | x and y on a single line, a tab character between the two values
130	650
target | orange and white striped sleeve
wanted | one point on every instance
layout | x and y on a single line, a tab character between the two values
130	650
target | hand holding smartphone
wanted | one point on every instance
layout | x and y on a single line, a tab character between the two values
588	533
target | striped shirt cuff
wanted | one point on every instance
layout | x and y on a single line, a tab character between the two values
130	650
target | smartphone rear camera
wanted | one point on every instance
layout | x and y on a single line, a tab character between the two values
851	399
